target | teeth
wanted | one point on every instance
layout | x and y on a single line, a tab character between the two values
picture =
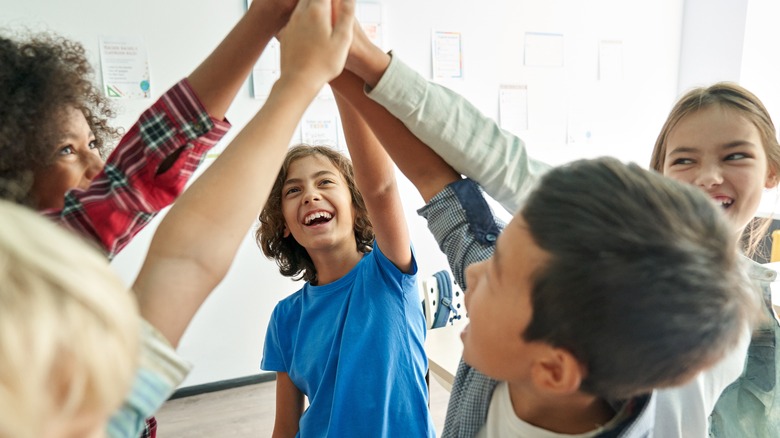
307	220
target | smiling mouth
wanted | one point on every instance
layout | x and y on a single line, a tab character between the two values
316	218
724	203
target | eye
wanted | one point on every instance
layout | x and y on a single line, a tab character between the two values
66	150
326	181
291	190
682	161
93	144
736	156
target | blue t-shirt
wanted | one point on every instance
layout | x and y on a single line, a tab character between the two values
355	348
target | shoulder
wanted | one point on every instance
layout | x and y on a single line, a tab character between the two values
377	260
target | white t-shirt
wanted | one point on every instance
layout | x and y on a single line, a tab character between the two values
695	400
503	422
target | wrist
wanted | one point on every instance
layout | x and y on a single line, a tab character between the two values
368	63
265	12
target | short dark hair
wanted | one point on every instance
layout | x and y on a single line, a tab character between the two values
644	284
292	258
42	76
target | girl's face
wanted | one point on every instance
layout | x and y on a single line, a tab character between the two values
317	205
76	162
721	152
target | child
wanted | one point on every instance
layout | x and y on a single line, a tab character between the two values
54	130
54	135
197	241
722	140
351	340
51	386
475	146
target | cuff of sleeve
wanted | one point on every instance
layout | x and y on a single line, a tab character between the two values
158	356
400	89
193	117
464	197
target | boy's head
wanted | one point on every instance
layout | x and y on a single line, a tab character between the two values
69	331
53	122
314	203
612	281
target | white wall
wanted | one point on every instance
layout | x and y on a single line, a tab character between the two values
225	339
712	42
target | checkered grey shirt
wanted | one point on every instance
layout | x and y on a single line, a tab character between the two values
466	230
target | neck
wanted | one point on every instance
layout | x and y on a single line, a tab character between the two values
335	262
574	413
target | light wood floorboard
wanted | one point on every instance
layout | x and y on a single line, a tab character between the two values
245	412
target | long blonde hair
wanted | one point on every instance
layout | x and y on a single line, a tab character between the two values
69	329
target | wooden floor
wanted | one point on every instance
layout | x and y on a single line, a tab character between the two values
247	411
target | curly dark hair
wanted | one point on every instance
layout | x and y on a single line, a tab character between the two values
293	259
42	76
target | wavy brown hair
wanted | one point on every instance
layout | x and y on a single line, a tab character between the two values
293	259
748	105
41	76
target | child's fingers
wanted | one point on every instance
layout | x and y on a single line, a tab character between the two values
345	19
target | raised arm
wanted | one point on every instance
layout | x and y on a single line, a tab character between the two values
375	178
197	241
219	77
426	170
472	143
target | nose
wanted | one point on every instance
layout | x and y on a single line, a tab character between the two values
93	164
310	196
709	175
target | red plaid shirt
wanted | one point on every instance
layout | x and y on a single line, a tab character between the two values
128	193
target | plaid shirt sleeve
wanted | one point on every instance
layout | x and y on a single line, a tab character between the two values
129	192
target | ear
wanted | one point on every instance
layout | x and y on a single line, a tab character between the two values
771	179
558	371
285	231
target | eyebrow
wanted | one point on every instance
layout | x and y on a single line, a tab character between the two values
70	135
729	145
315	175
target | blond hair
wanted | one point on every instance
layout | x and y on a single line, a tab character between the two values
69	329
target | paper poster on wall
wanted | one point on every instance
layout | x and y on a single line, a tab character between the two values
610	60
513	108
320	129
125	67
447	55
267	69
369	15
543	49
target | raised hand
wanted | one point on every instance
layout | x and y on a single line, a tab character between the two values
365	59
316	40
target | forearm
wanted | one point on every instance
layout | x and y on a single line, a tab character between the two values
469	141
219	77
289	407
195	244
375	178
423	167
